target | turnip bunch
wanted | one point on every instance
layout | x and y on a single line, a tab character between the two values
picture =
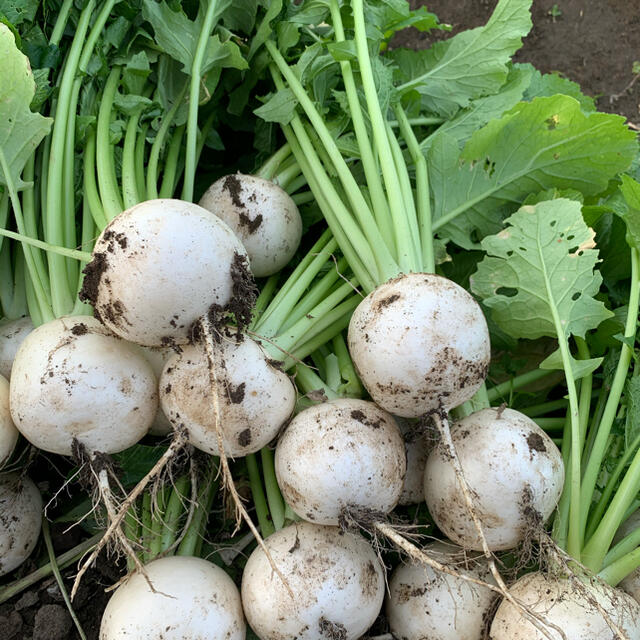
394	191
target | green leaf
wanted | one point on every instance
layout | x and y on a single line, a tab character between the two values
240	15
580	368
549	84
43	88
544	144
19	11
344	50
274	7
136	461
288	35
136	72
469	65
631	192
482	110
178	36
280	107
541	264
21	130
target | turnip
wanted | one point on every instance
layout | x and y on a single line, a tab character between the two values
73	380
419	342
20	520
12	333
340	456
193	599
255	397
8	432
513	469
575	607
424	603
262	215
161	265
335	577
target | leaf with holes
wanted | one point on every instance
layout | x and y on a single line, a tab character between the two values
21	130
544	144
539	277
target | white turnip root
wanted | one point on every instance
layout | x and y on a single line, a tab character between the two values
513	469
255	398
631	584
73	380
335	576
346	455
159	266
570	605
419	343
20	520
194	599
263	217
8	432
12	333
425	603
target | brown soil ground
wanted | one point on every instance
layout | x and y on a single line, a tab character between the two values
593	42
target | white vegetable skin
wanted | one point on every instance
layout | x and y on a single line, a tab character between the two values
336	578
424	603
194	599
513	469
417	448
262	215
72	379
20	520
159	267
343	454
12	333
8	432
419	342
564	605
255	398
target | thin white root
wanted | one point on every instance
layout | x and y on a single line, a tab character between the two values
116	518
537	620
227	478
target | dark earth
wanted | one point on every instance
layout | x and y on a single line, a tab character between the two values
593	42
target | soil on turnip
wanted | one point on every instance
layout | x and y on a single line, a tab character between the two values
594	42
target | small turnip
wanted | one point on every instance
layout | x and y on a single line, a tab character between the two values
513	469
570	605
8	432
193	599
425	603
255	397
12	333
336	579
263	217
20	520
73	380
346	454
161	265
419	343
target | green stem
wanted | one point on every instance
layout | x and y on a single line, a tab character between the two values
105	165
174	512
169	175
63	561
158	522
259	499
611	407
504	389
271	166
130	195
61	22
621	568
89	181
141	143
624	546
147	528
274	497
422	190
407	259
62	251
132	532
194	100
156	147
